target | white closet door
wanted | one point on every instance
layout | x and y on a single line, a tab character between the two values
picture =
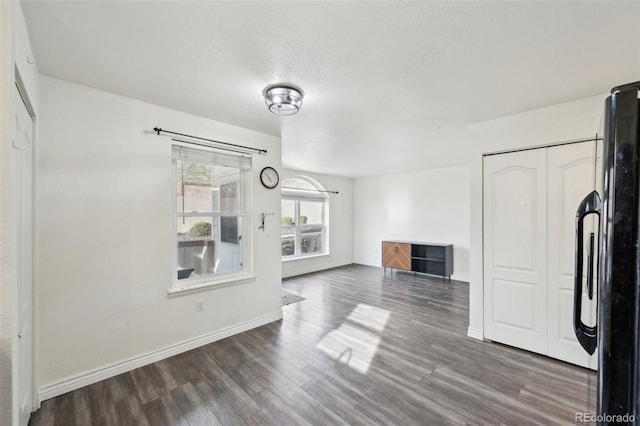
21	164
570	177
515	260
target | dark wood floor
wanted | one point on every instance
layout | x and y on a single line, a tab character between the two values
362	349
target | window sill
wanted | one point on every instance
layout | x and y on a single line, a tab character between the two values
210	285
311	256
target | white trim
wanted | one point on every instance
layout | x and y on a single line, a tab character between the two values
102	373
207	284
313	268
474	334
308	256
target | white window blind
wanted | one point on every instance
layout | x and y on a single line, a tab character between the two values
206	156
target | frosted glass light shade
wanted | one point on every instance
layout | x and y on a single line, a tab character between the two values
283	99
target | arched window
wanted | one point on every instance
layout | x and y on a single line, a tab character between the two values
305	218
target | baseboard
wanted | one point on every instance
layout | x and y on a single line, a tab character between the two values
474	334
305	271
90	377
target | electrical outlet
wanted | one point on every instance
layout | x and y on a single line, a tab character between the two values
199	305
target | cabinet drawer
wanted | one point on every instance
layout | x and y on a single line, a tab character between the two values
396	255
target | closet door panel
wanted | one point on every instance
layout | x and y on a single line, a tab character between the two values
515	249
570	177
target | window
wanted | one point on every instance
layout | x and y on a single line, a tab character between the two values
304	218
209	209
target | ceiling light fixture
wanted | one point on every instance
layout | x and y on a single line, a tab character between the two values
283	99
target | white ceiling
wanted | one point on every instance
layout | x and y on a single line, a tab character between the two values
389	85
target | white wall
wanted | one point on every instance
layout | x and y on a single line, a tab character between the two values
105	241
340	226
564	122
428	205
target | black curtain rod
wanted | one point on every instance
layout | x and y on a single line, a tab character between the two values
313	190
258	150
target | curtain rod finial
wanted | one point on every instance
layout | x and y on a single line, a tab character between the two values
157	130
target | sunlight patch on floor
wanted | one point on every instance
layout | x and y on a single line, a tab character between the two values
356	341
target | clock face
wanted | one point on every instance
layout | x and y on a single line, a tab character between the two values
269	177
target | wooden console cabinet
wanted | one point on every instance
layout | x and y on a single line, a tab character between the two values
423	258
396	255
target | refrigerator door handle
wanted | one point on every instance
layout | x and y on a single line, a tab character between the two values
586	334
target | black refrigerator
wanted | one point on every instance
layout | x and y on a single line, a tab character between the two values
612	263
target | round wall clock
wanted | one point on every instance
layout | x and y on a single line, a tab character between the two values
269	177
